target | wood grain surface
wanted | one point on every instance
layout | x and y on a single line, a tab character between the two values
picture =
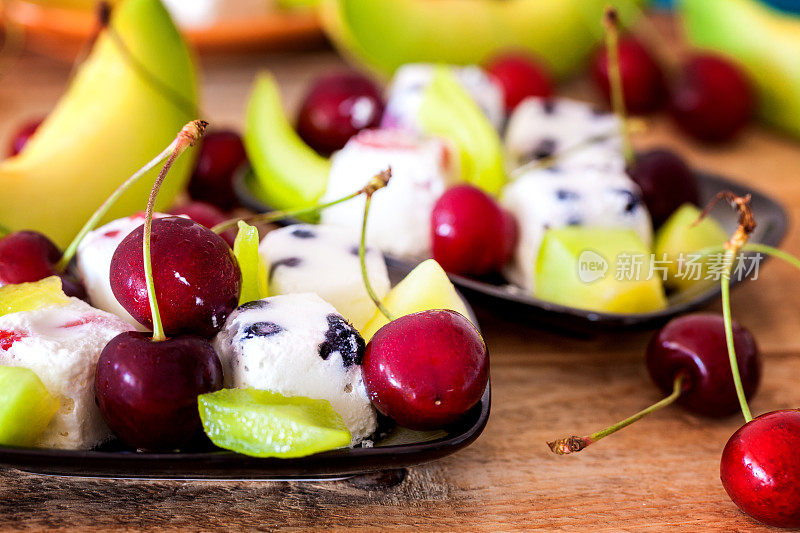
661	474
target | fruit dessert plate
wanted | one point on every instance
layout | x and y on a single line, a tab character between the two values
394	447
500	296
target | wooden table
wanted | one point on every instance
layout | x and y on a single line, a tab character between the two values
662	473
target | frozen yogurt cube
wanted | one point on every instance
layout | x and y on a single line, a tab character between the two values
542	127
61	344
543	199
324	260
399	220
407	91
298	345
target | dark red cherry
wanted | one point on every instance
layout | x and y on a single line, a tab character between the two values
425	370
713	99
337	107
694	345
520	76
196	277
643	85
23	135
221	153
27	256
471	234
147	390
666	182
207	215
760	468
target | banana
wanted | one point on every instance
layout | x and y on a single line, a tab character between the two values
111	120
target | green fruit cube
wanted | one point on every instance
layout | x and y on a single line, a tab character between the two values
598	269
448	111
267	424
29	296
678	239
26	407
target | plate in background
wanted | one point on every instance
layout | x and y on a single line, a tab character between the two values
498	297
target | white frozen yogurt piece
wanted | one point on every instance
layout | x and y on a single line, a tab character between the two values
324	260
399	219
298	345
540	127
94	263
407	91
544	199
62	344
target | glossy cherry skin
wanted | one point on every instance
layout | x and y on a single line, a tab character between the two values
147	391
666	182
196	277
23	135
27	256
221	153
471	234
643	85
760	468
337	107
207	215
694	345
426	370
520	76
713	99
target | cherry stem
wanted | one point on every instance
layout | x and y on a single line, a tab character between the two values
739	238
551	160
362	258
72	249
574	443
654	38
188	136
274	216
611	23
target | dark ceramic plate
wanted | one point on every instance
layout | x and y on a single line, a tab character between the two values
498	297
396	447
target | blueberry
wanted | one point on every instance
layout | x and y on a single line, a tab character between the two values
343	338
631	198
563	194
549	105
260	329
574	220
290	262
255	304
303	233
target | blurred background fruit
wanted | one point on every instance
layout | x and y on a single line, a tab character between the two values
111	121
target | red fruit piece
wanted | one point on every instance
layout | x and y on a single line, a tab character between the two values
643	85
694	345
147	390
196	277
760	468
8	338
520	76
425	370
221	153
713	99
471	234
337	107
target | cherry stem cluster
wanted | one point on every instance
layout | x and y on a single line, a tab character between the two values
574	443
611	23
188	136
